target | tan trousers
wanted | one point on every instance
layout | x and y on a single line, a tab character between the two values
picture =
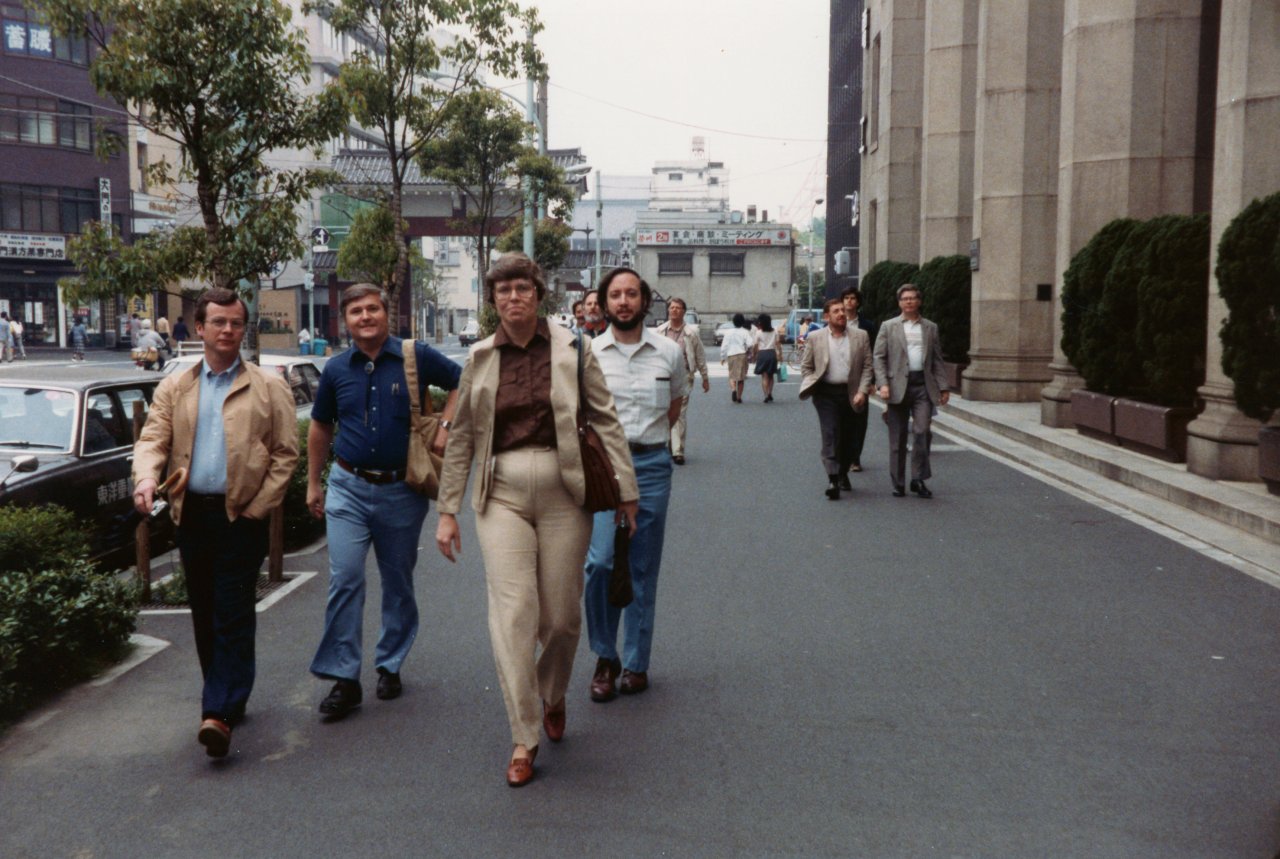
681	427
534	541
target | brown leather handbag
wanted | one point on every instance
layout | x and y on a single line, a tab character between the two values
422	471
604	490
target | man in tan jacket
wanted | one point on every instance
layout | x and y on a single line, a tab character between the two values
695	361
233	427
837	377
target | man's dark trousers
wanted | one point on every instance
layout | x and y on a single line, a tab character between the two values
917	410
221	560
837	423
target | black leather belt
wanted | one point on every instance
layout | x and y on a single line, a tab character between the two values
195	499
915	377
371	476
646	448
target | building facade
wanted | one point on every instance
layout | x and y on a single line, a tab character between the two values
1013	131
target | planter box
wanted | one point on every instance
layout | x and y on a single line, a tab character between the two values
1157	430
1094	414
953	374
1269	458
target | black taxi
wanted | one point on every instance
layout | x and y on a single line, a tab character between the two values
80	430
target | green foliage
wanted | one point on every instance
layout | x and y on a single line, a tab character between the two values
1248	275
488	319
879	288
40	538
370	251
1083	281
172	589
57	626
220	79
800	280
944	283
300	527
550	243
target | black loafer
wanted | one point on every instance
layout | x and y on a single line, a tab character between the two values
344	697
918	487
898	492
388	684
845	485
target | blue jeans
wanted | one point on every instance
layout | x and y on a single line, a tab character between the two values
653	474
390	517
221	561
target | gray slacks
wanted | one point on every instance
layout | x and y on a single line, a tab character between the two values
916	409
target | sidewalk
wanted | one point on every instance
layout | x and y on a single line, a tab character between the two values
1248	516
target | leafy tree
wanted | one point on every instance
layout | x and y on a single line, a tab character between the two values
1248	275
483	154
220	79
402	90
370	251
550	243
805	296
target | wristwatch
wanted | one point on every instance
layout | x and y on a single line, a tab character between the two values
446	424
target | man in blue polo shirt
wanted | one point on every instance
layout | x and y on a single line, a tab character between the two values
364	392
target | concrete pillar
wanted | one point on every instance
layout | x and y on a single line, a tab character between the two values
1128	134
1016	199
950	93
1222	442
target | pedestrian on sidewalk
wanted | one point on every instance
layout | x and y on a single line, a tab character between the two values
162	328
364	390
764	352
913	381
79	336
180	332
695	360
647	376
852	300
593	319
19	348
234	426
6	337
837	376
733	350
516	419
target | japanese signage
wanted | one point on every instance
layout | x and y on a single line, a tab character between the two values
24	246
714	236
104	200
23	38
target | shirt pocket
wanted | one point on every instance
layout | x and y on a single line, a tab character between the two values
658	394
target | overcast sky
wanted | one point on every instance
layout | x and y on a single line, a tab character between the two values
633	82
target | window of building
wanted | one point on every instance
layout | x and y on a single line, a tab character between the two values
873	96
45	122
22	32
675	177
734	264
75	122
44	209
675	263
869	237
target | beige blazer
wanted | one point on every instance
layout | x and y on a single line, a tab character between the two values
471	437
695	355
817	352
891	360
261	429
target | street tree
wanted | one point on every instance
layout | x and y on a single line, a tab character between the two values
415	57
371	250
219	78
800	280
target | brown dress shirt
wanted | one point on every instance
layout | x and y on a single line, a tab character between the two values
522	406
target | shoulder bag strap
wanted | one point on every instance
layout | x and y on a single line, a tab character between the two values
409	350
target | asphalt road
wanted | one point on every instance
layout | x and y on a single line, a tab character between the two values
1002	671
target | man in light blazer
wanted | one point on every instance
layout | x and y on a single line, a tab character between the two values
837	376
912	380
695	359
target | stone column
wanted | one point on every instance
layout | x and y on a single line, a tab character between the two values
1130	72
1222	442
950	92
1016	199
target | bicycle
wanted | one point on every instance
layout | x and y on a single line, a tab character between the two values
793	355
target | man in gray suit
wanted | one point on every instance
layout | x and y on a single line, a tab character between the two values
837	376
911	379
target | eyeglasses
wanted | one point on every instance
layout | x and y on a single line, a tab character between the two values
220	323
506	290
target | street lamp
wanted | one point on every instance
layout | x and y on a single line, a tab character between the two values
812	209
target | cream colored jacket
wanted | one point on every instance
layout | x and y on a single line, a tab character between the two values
471	437
261	427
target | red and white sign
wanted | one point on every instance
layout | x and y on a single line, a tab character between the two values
33	247
745	236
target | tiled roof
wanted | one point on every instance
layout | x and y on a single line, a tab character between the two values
373	167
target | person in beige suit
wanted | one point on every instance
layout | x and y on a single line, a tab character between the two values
233	427
516	420
912	380
837	377
695	360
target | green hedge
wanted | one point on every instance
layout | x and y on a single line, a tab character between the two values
945	287
1248	274
61	618
879	287
1082	285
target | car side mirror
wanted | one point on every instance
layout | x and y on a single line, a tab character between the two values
21	464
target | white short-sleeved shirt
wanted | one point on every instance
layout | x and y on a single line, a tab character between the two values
914	332
644	379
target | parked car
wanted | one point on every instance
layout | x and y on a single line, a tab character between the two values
302	372
470	332
80	432
720	332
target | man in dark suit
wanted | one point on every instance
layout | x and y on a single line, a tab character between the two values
837	376
912	380
852	300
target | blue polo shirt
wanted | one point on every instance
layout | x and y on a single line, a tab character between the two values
369	400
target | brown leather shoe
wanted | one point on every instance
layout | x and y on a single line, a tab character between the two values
215	736
520	770
633	682
553	722
602	682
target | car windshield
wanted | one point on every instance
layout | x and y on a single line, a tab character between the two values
36	418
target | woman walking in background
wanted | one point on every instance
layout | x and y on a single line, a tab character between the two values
733	351
764	348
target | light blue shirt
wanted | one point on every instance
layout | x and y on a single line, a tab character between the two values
209	453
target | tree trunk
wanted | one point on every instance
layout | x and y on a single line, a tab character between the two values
400	280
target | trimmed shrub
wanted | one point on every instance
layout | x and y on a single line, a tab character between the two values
58	626
1083	281
879	287
1173	301
40	538
945	286
1248	274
